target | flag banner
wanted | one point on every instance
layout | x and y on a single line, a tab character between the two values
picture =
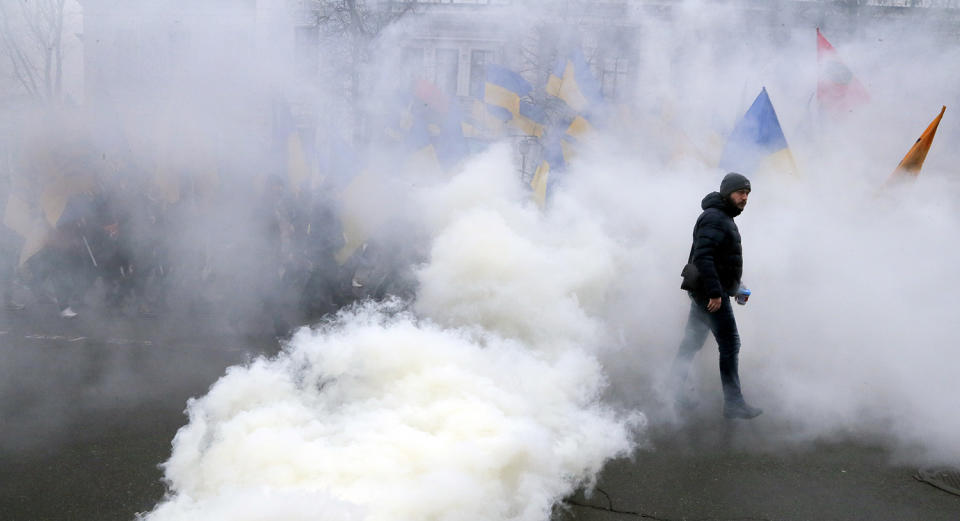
341	162
530	120
289	147
298	169
572	81
838	90
579	128
451	143
506	94
484	121
78	206
58	192
539	183
18	215
358	219
431	96
23	219
911	163
427	124
504	88
552	163
757	143
437	124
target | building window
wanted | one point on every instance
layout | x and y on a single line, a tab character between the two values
613	77
478	71
447	71
412	61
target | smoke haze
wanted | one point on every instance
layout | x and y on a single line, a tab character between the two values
493	415
530	347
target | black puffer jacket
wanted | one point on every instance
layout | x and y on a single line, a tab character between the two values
716	247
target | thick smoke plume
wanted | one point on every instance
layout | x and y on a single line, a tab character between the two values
847	334
483	405
489	393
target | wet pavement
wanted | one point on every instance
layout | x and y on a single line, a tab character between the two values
89	408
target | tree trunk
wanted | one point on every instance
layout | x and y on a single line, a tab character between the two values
356	57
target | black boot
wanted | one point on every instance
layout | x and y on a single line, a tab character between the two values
740	409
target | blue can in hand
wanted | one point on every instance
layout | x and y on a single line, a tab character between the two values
743	294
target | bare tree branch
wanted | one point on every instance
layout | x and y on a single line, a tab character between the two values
34	46
22	67
57	45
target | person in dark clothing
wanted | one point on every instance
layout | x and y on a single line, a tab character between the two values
718	256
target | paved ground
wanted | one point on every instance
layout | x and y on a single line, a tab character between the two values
711	472
89	408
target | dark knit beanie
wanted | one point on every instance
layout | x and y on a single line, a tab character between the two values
733	182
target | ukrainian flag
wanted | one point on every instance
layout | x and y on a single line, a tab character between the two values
420	152
485	121
757	143
572	81
577	130
429	142
444	123
288	142
436	123
503	94
451	143
552	162
530	120
504	88
358	222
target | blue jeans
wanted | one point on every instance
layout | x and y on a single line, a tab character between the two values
723	325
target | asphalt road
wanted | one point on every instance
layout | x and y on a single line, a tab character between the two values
89	408
713	471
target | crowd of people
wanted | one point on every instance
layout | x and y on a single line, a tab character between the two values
251	249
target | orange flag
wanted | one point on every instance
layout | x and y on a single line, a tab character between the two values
911	163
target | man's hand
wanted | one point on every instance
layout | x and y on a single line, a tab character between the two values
713	304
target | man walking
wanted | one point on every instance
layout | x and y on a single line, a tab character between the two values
718	258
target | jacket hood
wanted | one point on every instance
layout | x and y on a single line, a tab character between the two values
715	200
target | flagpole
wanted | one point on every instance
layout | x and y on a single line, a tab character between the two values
89	251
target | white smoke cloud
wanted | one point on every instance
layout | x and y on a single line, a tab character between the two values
848	333
483	405
482	399
509	268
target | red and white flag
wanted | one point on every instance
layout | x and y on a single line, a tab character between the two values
838	90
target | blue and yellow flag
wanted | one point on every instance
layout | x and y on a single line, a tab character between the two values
292	153
504	88
441	118
530	120
421	153
757	143
506	95
572	81
339	163
552	163
487	122
426	131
